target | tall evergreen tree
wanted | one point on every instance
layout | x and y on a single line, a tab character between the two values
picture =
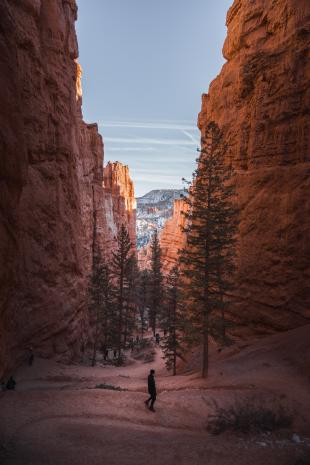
156	279
101	301
143	293
211	222
131	296
109	313
172	322
120	263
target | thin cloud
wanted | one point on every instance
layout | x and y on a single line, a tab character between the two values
191	137
146	141
148	125
131	149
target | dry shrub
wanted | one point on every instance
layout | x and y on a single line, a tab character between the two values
110	387
304	460
249	416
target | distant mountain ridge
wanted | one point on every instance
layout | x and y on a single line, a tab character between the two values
160	195
153	209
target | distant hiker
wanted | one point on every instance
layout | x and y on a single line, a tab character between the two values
106	354
157	338
10	385
152	391
83	347
114	353
31	356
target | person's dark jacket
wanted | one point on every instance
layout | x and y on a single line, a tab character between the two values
151	384
10	385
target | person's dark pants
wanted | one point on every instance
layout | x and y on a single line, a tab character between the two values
152	398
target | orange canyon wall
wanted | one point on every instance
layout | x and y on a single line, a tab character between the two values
261	102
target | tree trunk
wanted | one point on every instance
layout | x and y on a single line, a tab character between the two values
174	364
142	324
174	337
223	323
120	321
205	353
125	325
93	363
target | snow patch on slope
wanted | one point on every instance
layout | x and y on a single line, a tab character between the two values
153	210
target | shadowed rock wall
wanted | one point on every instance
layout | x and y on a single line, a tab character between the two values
51	172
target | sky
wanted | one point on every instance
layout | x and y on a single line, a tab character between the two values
146	64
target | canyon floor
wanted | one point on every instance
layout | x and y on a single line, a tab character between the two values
58	415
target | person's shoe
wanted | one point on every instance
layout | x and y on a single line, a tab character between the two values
146	403
152	409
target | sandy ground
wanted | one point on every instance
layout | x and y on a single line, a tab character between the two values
57	415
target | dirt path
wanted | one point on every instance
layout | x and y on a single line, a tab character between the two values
57	416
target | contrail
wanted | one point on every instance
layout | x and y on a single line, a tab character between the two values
147	125
131	149
197	142
147	141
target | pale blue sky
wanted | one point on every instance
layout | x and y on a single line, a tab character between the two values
145	65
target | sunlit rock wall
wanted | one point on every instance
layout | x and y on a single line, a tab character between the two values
119	204
261	102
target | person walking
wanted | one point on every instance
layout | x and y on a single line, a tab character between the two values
31	356
152	390
10	385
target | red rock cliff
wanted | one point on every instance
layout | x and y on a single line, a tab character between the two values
172	238
261	102
51	183
120	202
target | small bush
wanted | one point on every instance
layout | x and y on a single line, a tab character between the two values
110	387
149	357
119	361
145	343
304	460
249	416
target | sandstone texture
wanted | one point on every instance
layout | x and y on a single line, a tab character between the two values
52	201
261	102
172	237
119	202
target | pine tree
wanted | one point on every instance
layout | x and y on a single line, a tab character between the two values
172	322
143	293
108	320
156	280
120	263
131	296
212	219
101	301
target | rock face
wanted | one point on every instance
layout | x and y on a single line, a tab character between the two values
172	237
261	102
119	203
51	183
